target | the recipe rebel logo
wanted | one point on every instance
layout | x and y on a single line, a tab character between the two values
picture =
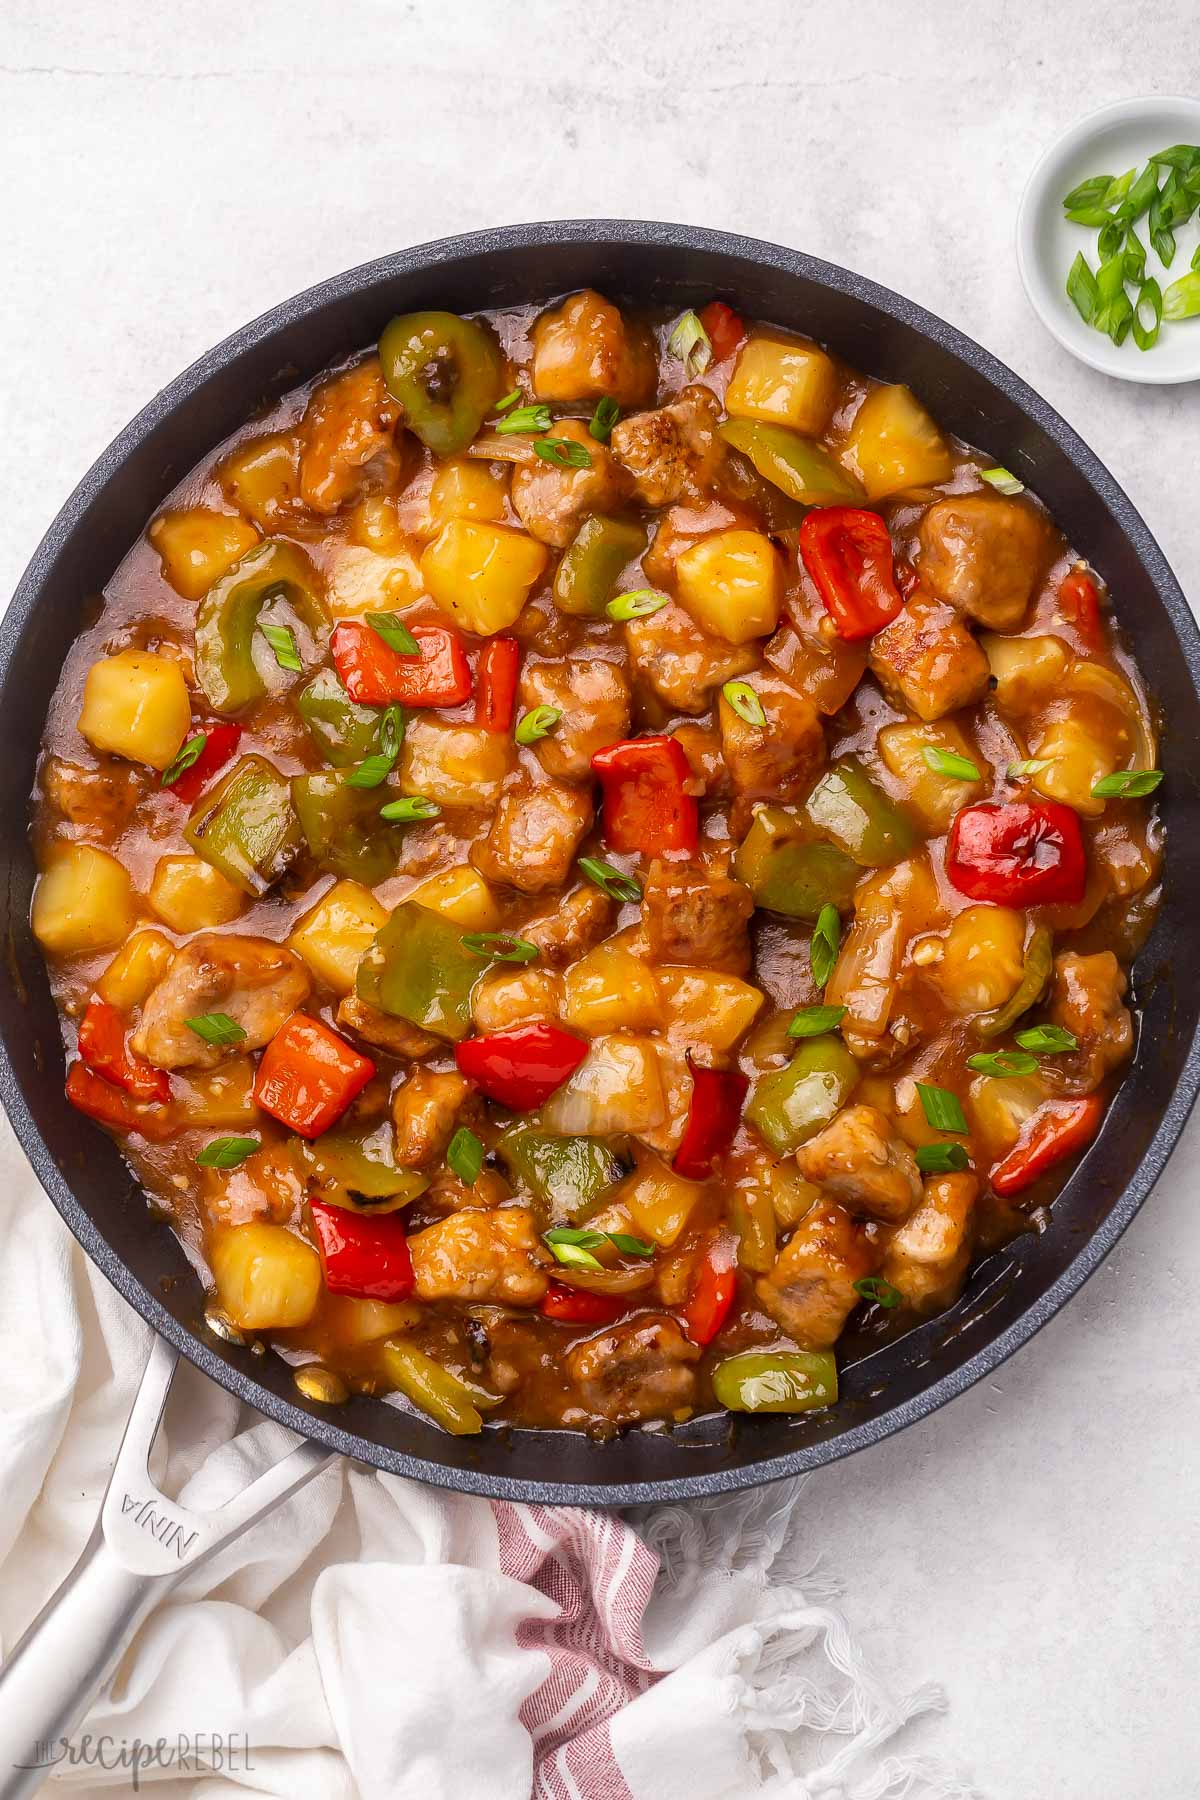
204	1753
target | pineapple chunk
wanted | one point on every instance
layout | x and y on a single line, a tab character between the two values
468	489
703	1006
218	1099
373	523
136	968
333	936
1079	757
1000	1106
353	1322
84	901
480	574
366	581
456	765
461	895
268	1279
983	959
508	997
1027	671
660	1202
932	797
196	545
732	584
783	383
895	444
609	989
136	705
262	479
188	894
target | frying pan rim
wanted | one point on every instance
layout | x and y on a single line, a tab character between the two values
664	237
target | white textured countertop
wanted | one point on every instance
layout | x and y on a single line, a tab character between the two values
170	172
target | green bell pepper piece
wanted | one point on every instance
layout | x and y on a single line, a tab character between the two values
446	372
246	826
793	1104
587	573
1039	962
789	873
355	1170
803	470
417	968
448	1401
343	828
228	614
344	732
776	1381
568	1176
847	807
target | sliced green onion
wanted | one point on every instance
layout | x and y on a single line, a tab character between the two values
1029	765
1003	1062
874	1287
1138	199
527	418
191	752
538	723
413	806
226	1152
509	400
1089	193
1047	1040
826	937
582	1238
815	1021
374	770
1119	187
575	1238
603	419
216	1028
745	702
1182	298
1095	216
283	644
565	453
941	1159
1081	289
501	946
394	632
465	1156
950	763
1127	784
629	1246
614	882
1002	479
691	344
1184	157
943	1110
1145	336
1195	262
573	1257
1135	257
638	605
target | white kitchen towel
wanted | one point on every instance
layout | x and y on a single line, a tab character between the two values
375	1638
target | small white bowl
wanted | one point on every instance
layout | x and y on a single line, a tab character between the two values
1107	142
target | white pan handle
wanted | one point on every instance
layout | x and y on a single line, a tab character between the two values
140	1547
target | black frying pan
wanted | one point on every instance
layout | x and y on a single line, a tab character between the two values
1009	1296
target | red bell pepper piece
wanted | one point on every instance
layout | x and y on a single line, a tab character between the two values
848	553
714	1286
497	695
309	1075
724	327
1026	853
220	743
647	808
102	1047
574	1306
112	1106
375	675
365	1257
1079	599
1057	1130
713	1114
522	1067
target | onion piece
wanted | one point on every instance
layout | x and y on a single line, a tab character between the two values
495	446
616	1089
606	1281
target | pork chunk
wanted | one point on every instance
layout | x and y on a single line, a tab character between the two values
983	554
552	502
810	1292
780	761
593	699
1087	998
534	836
859	1160
927	1258
586	350
673	453
642	1369
425	1109
347	438
382	1032
254	982
575	925
100	800
927	662
692	914
509	997
494	1256
679	663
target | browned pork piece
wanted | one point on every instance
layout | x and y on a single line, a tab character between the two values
574	926
859	1160
984	554
692	914
382	1032
552	501
927	1258
674	452
927	662
639	1370
592	697
681	664
99	800
425	1110
494	1255
810	1291
535	833
586	350
254	982
347	438
781	761
1087	999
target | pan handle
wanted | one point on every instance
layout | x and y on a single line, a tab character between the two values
142	1544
